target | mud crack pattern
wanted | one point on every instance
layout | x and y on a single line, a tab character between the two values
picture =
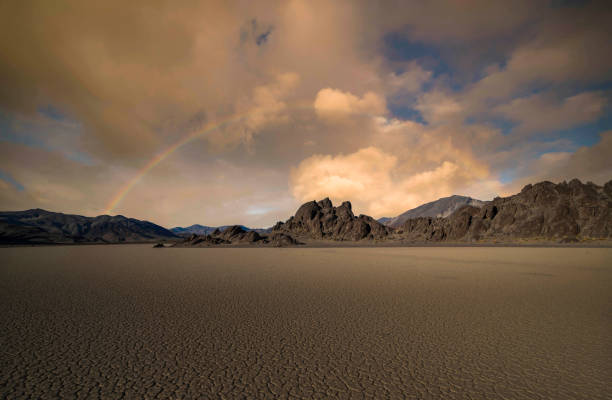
355	323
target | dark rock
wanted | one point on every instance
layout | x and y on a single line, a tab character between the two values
158	246
321	220
211	230
252	237
201	241
39	226
541	211
325	203
279	239
440	208
233	233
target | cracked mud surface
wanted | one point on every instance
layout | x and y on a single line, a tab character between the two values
455	323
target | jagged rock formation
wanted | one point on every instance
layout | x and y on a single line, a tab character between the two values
440	208
545	210
279	239
207	230
321	220
38	226
237	235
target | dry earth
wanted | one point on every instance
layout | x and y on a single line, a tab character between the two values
443	322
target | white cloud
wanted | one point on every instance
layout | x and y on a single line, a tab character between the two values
333	103
438	107
410	81
377	182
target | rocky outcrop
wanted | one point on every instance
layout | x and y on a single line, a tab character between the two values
237	235
38	226
278	239
207	230
440	208
321	220
545	210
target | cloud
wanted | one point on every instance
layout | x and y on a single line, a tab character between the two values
411	80
437	106
377	182
561	53
542	113
266	105
333	103
586	163
342	176
50	180
464	20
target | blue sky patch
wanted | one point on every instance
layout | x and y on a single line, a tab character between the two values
5	176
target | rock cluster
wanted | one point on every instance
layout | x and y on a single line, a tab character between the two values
545	210
237	235
321	220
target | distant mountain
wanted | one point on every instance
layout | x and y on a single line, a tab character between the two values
39	226
197	229
207	230
384	220
440	208
236	235
565	211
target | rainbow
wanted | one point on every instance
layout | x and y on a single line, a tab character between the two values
128	186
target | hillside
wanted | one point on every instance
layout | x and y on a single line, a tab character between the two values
39	226
440	208
564	211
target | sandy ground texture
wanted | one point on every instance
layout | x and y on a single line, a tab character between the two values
455	323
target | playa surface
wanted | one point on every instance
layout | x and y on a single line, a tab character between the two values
129	321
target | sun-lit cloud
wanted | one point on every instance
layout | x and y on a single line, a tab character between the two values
383	182
333	103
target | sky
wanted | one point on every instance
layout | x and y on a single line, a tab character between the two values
237	112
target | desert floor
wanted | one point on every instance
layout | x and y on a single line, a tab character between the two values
435	322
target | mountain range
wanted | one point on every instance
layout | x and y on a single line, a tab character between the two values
440	208
566	212
206	230
39	226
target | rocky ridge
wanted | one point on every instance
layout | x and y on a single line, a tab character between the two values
39	226
207	230
321	220
237	235
544	211
442	207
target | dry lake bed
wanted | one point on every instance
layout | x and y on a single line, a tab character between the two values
130	321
